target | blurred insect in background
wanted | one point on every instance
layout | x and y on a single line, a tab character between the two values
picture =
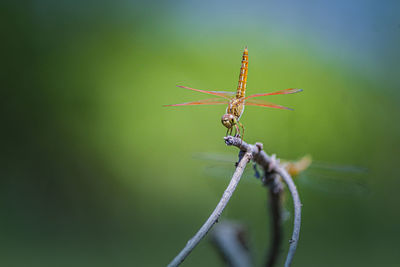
237	101
323	177
328	177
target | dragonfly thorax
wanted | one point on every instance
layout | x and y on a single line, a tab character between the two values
228	120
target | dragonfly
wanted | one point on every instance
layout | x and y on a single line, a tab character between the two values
330	178
237	100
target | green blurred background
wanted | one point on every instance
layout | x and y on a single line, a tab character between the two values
95	172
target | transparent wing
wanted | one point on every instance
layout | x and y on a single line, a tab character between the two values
222	166
223	94
280	92
339	167
335	179
326	178
262	103
210	101
334	183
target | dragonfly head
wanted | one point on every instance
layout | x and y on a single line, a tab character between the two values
228	120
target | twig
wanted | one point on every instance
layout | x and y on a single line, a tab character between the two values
191	244
272	165
297	214
230	238
275	186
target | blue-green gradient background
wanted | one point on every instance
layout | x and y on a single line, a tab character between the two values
95	172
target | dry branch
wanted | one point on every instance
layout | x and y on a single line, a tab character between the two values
275	188
191	244
231	240
271	164
272	171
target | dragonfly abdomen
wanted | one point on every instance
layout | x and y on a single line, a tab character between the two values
243	75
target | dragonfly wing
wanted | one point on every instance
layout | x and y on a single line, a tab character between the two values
262	103
222	166
339	167
223	94
335	184
280	92
335	179
210	101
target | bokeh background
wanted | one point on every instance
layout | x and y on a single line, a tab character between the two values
95	172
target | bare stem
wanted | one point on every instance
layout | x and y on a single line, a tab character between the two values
272	165
231	240
275	186
297	214
192	243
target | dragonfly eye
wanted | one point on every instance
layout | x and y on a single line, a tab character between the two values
228	120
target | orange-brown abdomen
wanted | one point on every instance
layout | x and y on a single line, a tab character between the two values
241	90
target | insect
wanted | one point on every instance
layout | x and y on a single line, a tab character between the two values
324	177
237	100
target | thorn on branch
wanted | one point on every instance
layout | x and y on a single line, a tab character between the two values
259	146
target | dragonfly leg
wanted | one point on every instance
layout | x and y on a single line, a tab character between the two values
241	125
229	131
238	133
237	130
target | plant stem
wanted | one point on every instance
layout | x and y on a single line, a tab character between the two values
192	243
